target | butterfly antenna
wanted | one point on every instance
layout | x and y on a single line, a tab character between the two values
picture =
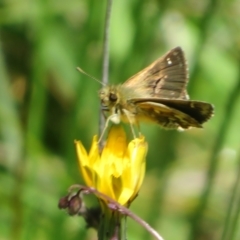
83	72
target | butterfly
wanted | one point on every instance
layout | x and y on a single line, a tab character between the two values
156	94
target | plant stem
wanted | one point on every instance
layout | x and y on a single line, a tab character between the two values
105	65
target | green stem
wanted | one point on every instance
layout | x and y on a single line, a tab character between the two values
233	209
105	66
110	224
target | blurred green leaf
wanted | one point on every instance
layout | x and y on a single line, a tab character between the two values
45	104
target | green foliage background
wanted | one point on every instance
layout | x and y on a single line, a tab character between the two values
191	189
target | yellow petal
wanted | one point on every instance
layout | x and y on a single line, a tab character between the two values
125	196
94	151
114	150
135	169
83	161
104	185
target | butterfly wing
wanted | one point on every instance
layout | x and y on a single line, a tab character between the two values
174	113
167	77
158	93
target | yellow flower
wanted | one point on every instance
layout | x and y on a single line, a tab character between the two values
119	171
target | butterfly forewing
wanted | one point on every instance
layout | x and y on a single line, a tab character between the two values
167	77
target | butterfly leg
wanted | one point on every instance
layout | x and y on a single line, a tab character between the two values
138	128
130	122
132	129
104	129
115	118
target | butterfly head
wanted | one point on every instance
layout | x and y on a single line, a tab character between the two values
109	97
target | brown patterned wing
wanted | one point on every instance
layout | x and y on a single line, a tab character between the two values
167	77
174	113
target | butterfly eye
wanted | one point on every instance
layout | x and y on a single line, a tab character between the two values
113	97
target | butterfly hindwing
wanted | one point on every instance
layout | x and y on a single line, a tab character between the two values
175	113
